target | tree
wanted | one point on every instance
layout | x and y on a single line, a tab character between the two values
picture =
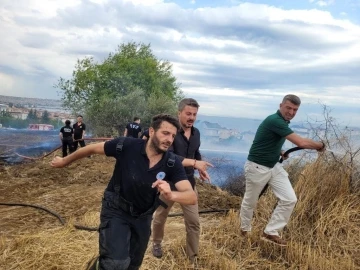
132	66
45	117
127	83
30	115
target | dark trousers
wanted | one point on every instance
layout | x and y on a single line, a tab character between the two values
76	143
67	143
123	239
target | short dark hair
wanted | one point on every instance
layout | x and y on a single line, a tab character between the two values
67	122
80	116
136	118
187	102
293	99
159	118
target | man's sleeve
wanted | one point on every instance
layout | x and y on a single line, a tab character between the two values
177	172
110	147
62	130
197	154
84	127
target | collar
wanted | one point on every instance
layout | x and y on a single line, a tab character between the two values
279	113
182	131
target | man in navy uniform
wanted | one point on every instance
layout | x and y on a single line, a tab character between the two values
132	194
66	136
133	129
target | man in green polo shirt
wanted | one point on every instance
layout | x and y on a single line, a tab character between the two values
262	167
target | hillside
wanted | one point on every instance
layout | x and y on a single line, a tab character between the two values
324	229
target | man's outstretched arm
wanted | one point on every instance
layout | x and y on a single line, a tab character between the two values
305	142
91	149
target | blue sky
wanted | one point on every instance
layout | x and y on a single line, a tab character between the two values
237	58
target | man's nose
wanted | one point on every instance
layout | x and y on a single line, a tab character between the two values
170	139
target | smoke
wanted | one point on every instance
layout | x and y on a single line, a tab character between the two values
29	143
227	164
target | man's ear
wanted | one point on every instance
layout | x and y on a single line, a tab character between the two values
151	131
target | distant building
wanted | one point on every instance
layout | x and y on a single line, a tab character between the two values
18	113
3	107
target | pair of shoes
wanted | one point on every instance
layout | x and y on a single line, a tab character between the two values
275	239
194	262
157	250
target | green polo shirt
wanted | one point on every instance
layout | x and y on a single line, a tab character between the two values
269	139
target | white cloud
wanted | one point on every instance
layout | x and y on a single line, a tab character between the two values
324	3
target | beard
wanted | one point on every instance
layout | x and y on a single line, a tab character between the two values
155	144
187	124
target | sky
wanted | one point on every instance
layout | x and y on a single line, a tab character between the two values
237	58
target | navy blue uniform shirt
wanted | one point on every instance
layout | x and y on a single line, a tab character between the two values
67	131
133	130
134	175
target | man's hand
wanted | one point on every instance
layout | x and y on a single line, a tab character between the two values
164	188
284	157
323	148
202	165
204	176
58	162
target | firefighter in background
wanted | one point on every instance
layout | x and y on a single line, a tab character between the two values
133	129
79	133
67	137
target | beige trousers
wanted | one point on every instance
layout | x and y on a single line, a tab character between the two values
257	176
192	225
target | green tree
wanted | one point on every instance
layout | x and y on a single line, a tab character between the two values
35	117
129	82
30	115
45	117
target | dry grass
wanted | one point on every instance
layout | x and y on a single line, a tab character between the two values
324	231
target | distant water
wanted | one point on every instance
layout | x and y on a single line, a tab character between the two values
227	163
